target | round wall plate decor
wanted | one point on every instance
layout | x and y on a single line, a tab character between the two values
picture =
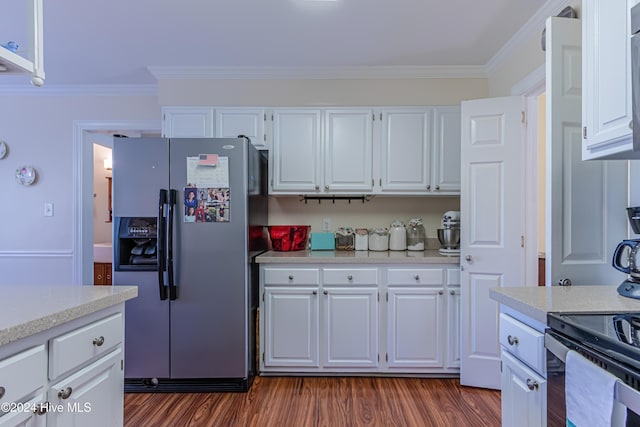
3	149
26	175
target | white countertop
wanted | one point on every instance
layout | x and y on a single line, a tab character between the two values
537	302
429	256
27	310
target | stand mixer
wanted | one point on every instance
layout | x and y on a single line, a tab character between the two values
449	235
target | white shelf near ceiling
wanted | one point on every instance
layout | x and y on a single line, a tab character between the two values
12	62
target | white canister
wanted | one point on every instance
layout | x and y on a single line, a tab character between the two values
362	239
397	236
379	239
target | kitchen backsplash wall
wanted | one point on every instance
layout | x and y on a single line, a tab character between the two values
380	211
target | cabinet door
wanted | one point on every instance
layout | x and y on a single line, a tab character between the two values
348	147
231	122
92	396
606	78
406	150
187	122
291	327
415	327
447	144
24	416
524	394
295	158
350	327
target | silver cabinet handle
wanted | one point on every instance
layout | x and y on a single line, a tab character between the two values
452	292
428	187
314	292
317	187
417	277
468	258
532	384
512	340
349	277
41	408
326	188
98	341
437	187
291	277
325	292
66	393
2	391
440	292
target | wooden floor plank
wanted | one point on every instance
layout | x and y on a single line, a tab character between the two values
322	402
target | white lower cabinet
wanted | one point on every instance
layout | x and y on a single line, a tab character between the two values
360	318
524	384
523	394
70	375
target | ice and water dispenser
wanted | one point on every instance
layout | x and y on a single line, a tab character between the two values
136	244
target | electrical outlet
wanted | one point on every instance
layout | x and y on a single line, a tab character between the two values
326	224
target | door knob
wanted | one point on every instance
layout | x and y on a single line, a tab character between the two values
564	282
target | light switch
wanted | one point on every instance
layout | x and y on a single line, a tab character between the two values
48	209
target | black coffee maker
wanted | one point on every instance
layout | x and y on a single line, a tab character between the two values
626	258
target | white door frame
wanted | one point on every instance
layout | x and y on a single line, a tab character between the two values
531	87
82	241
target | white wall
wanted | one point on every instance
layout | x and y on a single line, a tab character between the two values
39	131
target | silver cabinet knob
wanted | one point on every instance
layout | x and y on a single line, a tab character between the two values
66	393
428	187
291	277
417	277
98	341
314	292
326	188
41	408
512	340
441	292
325	292
452	292
349	277
532	384
2	391
437	187
564	282
468	258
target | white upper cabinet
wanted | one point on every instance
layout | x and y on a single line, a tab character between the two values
316	151
446	153
606	75
293	159
187	122
406	150
231	122
348	150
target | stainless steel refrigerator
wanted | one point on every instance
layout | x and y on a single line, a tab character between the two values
189	217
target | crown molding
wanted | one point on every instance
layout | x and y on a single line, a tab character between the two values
534	25
275	73
81	90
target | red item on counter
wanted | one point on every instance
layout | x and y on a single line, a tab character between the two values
289	237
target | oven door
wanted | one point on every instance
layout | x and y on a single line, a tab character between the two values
627	398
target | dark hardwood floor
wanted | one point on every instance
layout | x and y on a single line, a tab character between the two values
322	401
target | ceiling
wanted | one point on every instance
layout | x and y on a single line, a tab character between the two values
114	42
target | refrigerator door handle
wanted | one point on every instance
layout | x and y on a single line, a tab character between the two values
170	220
162	229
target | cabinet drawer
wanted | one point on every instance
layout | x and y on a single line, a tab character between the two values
76	347
22	374
422	276
346	276
291	276
523	342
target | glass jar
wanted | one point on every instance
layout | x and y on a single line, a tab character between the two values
379	239
416	236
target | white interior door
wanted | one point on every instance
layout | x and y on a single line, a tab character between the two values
586	200
492	202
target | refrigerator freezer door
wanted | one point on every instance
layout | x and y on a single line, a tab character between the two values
209	318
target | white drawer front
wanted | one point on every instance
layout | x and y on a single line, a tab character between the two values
422	276
346	276
76	347
524	342
291	276
22	374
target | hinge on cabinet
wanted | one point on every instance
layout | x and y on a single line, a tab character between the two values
265	117
262	296
387	297
374	116
380	182
381	116
386	357
584	132
524	117
263	356
122	364
272	117
264	137
378	357
522	241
